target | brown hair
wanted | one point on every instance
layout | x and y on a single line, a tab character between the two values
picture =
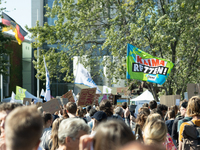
106	107
171	114
146	109
80	112
54	133
111	135
193	108
23	128
9	106
141	118
65	115
175	108
71	107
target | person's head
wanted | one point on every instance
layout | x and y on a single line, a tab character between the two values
155	132
98	117
124	105
152	104
106	107
193	108
92	112
152	117
119	111
145	105
163	108
54	133
88	108
47	117
171	114
79	112
175	108
70	131
111	135
23	128
145	109
5	109
183	108
64	113
141	118
71	107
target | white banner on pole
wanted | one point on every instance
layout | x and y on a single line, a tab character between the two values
47	95
106	90
84	77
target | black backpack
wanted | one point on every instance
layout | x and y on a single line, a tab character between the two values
191	137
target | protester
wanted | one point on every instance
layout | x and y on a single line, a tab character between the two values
118	113
110	135
145	109
23	129
80	113
71	109
98	117
163	108
65	115
155	133
88	114
124	105
188	133
69	133
46	133
175	108
91	112
175	133
152	105
53	141
140	121
106	107
145	105
5	109
170	121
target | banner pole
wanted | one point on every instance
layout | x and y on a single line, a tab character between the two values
38	81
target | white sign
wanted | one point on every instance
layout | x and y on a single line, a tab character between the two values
177	102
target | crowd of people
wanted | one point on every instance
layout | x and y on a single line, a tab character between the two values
103	127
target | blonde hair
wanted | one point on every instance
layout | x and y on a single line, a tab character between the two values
155	132
153	117
193	108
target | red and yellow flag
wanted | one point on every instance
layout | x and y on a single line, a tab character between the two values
12	25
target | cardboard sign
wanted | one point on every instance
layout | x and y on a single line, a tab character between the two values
51	106
87	96
169	100
193	90
123	91
62	101
27	101
69	96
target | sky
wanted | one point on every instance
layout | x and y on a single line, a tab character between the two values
20	11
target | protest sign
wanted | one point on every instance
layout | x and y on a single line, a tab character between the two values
121	100
145	67
193	90
51	106
69	96
87	96
62	101
100	97
169	100
122	90
27	101
20	93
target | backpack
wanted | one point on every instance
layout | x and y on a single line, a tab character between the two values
191	137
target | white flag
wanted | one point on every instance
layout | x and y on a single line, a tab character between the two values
106	90
12	98
42	93
47	96
84	77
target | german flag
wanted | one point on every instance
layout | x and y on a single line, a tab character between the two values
12	25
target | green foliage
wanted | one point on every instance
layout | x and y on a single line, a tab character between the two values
96	28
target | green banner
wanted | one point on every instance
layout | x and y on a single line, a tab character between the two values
20	93
145	67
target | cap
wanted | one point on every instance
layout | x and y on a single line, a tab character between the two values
99	116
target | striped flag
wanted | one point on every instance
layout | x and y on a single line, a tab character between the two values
12	25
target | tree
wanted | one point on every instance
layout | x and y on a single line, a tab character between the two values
167	29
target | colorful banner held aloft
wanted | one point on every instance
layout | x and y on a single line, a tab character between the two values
20	93
145	67
20	33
